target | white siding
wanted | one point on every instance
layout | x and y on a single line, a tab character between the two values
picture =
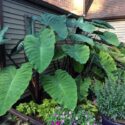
119	26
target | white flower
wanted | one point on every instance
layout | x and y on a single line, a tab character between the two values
88	123
70	112
62	116
76	118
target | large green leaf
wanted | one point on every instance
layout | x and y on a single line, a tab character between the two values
79	52
117	55
100	46
2	33
102	24
40	51
122	47
71	22
83	25
83	87
108	64
13	83
86	26
62	88
82	38
110	38
57	23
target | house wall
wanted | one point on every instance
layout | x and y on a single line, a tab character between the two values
73	6
14	17
119	26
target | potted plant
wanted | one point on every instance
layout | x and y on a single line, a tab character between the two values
111	102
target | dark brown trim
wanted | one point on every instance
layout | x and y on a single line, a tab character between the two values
46	6
53	8
2	47
108	18
88	4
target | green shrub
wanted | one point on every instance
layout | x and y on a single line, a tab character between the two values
111	99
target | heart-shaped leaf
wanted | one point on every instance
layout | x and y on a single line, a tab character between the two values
78	52
40	51
13	83
62	88
102	24
57	23
108	64
110	38
83	25
82	38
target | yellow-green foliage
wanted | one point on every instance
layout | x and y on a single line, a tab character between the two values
90	107
46	109
42	111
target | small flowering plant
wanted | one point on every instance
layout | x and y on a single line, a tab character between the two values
66	117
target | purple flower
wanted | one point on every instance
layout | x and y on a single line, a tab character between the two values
62	121
52	123
58	123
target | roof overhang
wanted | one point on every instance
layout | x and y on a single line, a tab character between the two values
75	7
106	9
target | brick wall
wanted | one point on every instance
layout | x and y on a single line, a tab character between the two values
106	9
73	6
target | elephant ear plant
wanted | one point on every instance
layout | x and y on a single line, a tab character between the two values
89	49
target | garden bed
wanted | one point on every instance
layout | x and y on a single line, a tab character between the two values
52	113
